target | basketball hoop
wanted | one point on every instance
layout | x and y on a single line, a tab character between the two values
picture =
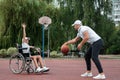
45	20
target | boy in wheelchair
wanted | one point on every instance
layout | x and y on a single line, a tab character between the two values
35	57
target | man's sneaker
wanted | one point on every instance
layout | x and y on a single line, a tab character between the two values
45	69
38	70
99	76
87	74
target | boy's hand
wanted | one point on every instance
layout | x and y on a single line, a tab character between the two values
23	25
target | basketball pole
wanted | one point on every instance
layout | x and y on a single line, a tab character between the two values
43	42
45	21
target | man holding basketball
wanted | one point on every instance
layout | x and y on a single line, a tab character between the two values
96	43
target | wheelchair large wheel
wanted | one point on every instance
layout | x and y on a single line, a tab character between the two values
17	63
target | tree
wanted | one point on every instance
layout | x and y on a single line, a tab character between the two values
114	43
92	13
16	12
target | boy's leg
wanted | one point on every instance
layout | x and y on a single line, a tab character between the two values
35	61
39	58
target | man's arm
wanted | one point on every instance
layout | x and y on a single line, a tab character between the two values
72	41
84	40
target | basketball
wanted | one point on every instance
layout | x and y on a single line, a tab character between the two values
65	49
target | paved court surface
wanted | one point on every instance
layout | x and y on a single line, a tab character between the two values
63	69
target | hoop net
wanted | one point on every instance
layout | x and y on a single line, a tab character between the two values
45	20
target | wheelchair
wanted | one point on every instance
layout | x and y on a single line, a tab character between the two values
20	61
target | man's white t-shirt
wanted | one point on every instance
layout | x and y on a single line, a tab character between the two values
92	34
25	45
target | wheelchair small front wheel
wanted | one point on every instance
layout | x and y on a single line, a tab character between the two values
17	63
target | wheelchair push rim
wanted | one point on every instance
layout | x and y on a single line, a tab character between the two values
17	63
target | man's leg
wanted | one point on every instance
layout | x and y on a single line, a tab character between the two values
88	59
88	73
95	52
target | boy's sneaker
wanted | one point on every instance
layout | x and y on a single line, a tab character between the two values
99	76
38	70
87	74
45	69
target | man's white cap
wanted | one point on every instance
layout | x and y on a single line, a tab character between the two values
77	22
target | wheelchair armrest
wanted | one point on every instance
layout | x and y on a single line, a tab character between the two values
22	48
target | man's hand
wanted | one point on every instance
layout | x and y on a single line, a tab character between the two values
79	46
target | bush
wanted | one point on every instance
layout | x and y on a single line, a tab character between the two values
54	54
11	51
3	53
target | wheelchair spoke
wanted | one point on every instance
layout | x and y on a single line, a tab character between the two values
16	63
